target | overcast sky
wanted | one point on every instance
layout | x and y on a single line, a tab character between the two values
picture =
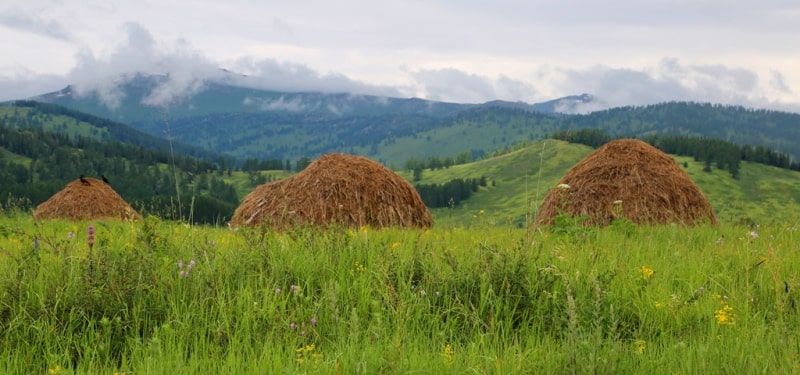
624	52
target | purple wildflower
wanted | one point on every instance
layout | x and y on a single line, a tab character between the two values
293	326
314	321
277	290
90	240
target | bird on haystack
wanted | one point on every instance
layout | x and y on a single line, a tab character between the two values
84	180
106	180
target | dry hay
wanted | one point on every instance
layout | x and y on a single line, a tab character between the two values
79	201
336	189
629	178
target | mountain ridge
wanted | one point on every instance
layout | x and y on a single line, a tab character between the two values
251	123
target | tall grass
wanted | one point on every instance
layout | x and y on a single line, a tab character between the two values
157	297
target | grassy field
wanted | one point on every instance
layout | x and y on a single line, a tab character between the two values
157	297
520	179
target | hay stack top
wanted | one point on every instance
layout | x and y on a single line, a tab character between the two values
93	199
629	178
336	189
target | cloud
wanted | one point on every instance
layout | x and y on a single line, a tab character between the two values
281	104
186	71
27	85
670	80
778	82
34	23
271	74
454	85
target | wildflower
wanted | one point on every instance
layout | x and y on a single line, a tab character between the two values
306	352
448	354
481	212
753	234
70	235
90	240
293	288
725	315
395	245
277	290
188	267
646	272
640	346
293	326
314	321
54	370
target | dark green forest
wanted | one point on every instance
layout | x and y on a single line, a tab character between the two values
154	181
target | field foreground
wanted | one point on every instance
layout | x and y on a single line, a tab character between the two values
157	297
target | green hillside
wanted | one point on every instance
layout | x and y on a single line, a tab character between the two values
520	179
249	123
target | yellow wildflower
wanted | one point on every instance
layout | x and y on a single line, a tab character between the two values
725	315
646	272
54	370
448	354
640	346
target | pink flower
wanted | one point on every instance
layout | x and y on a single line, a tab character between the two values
753	234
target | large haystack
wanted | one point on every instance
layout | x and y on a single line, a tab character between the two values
629	178
336	189
93	199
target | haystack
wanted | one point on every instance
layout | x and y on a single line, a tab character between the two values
336	189
627	178
93	199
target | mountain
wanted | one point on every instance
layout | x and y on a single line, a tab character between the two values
250	123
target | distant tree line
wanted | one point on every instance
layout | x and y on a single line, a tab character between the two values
450	193
713	153
252	164
417	165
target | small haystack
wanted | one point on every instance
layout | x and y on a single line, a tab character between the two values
629	178
336	189
85	199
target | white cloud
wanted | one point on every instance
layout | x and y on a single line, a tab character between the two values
733	52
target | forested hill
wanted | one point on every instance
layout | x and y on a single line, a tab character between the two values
50	117
248	123
755	127
36	162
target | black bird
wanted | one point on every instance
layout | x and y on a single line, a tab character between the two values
84	181
106	180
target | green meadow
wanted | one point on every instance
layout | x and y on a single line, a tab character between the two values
482	292
157	297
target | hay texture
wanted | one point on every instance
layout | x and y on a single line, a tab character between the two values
627	178
79	201
336	189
